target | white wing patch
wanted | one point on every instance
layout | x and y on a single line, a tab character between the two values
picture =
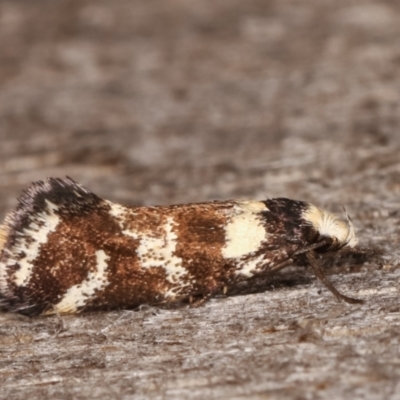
250	266
37	232
244	233
155	250
78	295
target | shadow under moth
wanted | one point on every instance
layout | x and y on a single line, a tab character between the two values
66	250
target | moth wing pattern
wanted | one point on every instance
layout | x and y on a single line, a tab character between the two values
66	250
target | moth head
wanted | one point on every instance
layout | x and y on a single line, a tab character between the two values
336	231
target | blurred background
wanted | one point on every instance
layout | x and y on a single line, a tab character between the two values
166	101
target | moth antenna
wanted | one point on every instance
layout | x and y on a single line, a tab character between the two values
352	233
320	274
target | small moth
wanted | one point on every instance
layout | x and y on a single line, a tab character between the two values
66	250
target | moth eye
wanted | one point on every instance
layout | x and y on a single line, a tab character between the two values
336	244
328	243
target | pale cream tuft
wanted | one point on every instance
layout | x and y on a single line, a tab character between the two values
328	224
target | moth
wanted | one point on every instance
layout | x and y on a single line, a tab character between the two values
66	250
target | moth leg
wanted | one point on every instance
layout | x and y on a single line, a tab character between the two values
290	261
200	301
281	265
310	247
320	274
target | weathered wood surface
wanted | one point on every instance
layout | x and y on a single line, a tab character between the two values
159	102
